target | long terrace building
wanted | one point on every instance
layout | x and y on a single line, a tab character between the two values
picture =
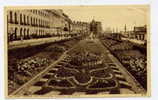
80	27
33	23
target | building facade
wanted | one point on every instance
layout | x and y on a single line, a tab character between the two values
27	24
80	28
139	33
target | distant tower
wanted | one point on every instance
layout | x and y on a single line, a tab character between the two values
113	30
125	28
117	30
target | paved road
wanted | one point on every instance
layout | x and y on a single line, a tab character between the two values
88	68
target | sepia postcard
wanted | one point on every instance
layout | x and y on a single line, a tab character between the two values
77	51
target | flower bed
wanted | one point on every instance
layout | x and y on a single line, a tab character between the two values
132	58
23	65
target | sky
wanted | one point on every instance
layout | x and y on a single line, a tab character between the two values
111	16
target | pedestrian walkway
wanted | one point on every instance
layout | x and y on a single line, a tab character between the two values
33	42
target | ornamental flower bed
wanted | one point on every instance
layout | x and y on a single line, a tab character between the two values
23	65
24	70
132	58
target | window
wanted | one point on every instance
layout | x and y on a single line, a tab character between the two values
21	19
31	21
11	17
28	20
36	21
24	19
16	21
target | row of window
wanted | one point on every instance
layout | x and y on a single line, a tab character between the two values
139	37
26	20
24	33
39	12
